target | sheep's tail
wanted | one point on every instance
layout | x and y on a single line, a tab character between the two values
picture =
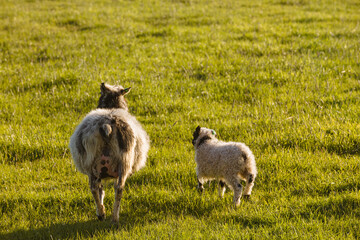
106	131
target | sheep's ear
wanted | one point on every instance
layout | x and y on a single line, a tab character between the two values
125	91
198	129
104	89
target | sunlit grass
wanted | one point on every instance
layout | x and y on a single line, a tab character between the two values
280	75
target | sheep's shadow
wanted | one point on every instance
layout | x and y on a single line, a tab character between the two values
147	212
61	231
141	210
90	228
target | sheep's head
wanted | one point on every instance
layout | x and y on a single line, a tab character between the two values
113	96
202	134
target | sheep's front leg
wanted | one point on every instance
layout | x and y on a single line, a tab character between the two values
118	187
98	194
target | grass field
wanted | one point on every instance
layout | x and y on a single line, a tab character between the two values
283	76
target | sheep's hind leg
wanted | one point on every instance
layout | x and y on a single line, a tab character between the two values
119	187
102	196
98	194
221	188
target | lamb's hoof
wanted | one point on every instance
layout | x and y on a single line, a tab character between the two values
246	197
236	206
200	190
101	217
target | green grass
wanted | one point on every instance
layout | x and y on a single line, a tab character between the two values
283	76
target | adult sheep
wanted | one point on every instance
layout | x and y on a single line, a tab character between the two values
109	143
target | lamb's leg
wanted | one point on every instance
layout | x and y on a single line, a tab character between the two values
119	187
249	185
200	186
237	194
237	188
98	194
221	188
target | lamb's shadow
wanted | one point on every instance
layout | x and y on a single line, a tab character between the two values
246	222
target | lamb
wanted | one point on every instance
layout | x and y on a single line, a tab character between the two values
109	143
227	162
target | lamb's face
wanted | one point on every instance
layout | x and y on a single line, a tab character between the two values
202	132
113	96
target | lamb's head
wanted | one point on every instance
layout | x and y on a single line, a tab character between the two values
202	134
113	96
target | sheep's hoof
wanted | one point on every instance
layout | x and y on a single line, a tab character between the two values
101	217
246	197
114	222
115	225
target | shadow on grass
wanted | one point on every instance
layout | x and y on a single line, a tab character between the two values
140	211
13	153
328	189
344	146
61	231
334	207
247	222
68	79
92	228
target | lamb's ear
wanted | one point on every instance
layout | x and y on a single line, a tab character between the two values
198	129
125	91
103	89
